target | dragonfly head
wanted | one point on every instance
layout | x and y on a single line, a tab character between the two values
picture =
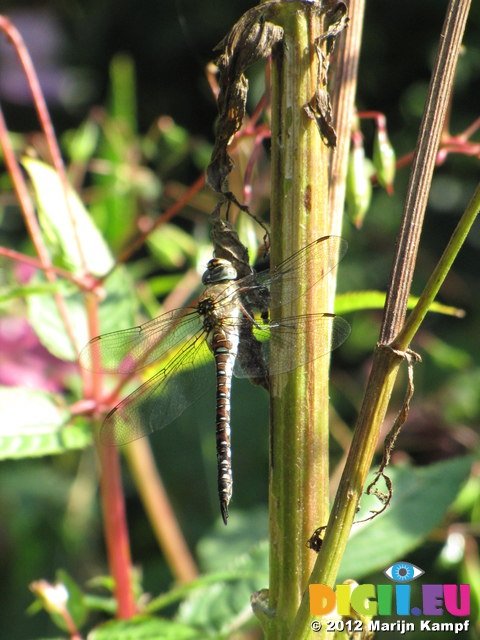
219	270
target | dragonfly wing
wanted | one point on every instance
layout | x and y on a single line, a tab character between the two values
163	398
292	278
252	358
292	339
131	349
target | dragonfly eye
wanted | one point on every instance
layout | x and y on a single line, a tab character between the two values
219	270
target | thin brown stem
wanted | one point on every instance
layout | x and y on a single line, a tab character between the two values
344	83
422	169
165	217
160	513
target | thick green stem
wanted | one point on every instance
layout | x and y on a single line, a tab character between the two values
299	400
386	361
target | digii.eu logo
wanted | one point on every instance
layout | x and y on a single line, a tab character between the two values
368	601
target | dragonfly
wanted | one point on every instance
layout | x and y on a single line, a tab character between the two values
231	325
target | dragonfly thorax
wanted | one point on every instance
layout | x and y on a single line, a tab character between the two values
218	305
219	270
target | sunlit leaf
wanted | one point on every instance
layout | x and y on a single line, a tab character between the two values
69	231
82	142
34	424
360	300
116	312
22	291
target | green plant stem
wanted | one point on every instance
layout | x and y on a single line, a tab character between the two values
439	274
386	361
299	400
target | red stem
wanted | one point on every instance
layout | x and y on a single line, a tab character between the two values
35	262
116	533
113	506
44	117
112	499
31	221
169	213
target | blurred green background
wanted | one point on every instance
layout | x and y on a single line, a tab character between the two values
49	513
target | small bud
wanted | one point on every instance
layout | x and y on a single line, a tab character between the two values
54	597
359	186
384	158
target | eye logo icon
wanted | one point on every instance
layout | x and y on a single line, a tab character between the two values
403	572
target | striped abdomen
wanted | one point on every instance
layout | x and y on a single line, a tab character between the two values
224	345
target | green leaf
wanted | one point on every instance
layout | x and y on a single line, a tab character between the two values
171	246
45	319
421	497
82	142
116	312
123	99
222	548
216	607
163	285
360	300
247	230
173	144
445	355
23	291
201	154
76	604
33	424
144	628
67	229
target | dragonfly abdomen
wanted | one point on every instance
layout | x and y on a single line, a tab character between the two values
224	345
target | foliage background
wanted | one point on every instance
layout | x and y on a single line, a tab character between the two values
41	527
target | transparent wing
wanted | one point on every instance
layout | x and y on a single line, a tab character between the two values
292	278
292	339
167	394
131	349
163	398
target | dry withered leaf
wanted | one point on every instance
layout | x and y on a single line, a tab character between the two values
227	244
251	39
319	108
